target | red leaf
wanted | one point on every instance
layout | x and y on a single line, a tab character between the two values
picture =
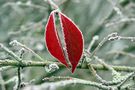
73	39
52	40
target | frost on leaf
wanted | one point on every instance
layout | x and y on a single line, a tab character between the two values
73	40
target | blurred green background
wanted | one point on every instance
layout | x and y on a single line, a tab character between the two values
25	20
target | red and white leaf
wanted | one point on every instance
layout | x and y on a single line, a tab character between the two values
52	40
73	39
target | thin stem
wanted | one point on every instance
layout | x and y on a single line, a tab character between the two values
104	64
112	36
98	47
109	37
123	82
15	42
10	53
94	39
114	82
19	78
93	71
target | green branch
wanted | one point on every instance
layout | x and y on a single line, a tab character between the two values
28	63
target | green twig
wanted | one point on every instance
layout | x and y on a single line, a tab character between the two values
29	63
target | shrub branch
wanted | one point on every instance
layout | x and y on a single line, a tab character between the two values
28	63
